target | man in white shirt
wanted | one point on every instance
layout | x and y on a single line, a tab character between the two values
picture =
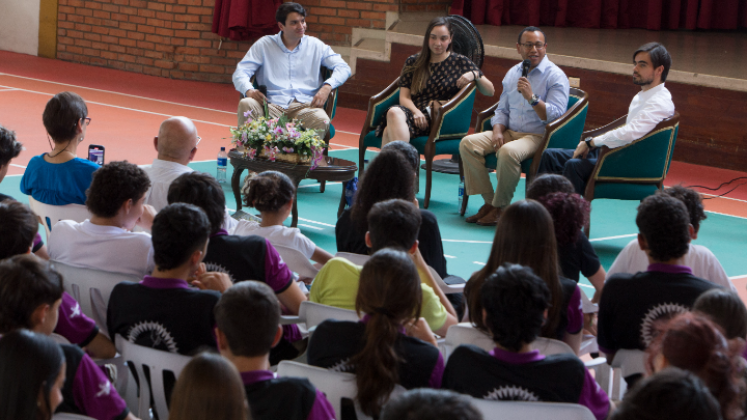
176	145
288	66
649	107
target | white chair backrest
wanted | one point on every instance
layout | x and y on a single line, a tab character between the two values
157	361
446	288
50	214
91	288
587	306
520	410
59	339
465	333
630	362
314	314
335	385
70	416
297	262
549	346
357	259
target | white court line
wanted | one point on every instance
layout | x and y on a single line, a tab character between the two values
310	227
314	221
738	277
585	285
478	263
728	198
449	256
316	185
630	235
9	89
467	242
17	166
724	214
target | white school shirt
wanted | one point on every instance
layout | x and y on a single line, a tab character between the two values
162	173
699	258
106	248
279	235
647	109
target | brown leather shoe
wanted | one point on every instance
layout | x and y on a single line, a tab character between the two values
484	210
491	219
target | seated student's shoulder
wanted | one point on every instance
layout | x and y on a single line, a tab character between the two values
339	266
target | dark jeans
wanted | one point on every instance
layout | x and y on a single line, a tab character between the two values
578	171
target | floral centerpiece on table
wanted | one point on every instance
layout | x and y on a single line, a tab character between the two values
279	138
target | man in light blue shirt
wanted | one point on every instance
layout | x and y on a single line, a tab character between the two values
289	65
526	106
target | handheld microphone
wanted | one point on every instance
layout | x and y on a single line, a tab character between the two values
263	89
525	68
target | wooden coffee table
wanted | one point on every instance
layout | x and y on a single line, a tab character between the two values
330	169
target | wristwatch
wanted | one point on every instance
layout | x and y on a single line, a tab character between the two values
588	142
535	100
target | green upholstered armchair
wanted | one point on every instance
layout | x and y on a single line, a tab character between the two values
449	123
563	133
636	170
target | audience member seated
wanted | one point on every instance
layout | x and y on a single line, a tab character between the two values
31	376
248	317
209	387
700	259
391	345
176	145
632	304
60	177
672	394
18	228
393	224
515	302
694	343
241	257
163	311
10	148
388	176
273	194
430	404
435	74
30	295
106	241
725	309
525	235
569	212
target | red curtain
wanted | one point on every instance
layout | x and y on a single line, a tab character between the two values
241	20
612	14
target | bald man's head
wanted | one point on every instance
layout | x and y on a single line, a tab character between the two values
177	140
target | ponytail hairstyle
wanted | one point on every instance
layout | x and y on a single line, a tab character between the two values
420	69
694	343
389	294
269	191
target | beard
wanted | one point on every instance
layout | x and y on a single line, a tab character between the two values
640	81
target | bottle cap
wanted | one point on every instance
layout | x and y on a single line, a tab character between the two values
222	149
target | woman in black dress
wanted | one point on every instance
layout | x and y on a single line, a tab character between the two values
434	74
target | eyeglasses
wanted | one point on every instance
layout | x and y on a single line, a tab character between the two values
87	120
538	45
198	140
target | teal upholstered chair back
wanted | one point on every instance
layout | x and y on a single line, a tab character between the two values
456	121
380	108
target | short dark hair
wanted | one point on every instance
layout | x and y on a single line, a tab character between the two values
269	191
18	227
726	309
10	148
570	212
692	200
61	115
281	15
25	283
393	224
112	185
514	300
548	184
248	314
203	191
664	222
531	29
179	230
430	404
407	150
670	394
659	57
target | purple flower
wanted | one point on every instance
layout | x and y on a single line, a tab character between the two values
318	156
247	113
252	153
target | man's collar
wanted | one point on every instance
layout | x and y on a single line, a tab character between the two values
544	64
160	163
279	40
653	91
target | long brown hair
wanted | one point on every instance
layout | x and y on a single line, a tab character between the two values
524	235
420	69
208	388
389	292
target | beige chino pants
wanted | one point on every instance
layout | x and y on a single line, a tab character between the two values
314	118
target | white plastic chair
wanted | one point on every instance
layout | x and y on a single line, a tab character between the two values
50	214
520	410
313	314
157	362
335	385
465	333
625	363
91	288
297	262
71	416
357	259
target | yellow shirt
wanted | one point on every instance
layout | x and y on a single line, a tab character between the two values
337	285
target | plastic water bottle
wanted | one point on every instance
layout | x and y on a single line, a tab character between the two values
460	192
222	164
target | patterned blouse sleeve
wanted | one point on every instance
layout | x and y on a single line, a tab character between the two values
406	80
467	65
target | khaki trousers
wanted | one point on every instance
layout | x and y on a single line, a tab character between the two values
314	118
516	148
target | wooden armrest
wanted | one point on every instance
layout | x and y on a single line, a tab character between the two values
438	113
330	106
483	115
605	128
375	100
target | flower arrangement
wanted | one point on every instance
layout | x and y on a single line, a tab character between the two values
279	138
